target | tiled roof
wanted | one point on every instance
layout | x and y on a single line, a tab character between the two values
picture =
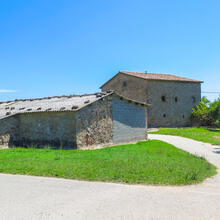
49	104
157	76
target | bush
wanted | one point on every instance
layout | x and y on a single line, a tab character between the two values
215	110
207	113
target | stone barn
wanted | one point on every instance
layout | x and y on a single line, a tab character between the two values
170	98
72	121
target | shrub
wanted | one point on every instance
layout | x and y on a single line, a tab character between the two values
207	113
215	110
200	114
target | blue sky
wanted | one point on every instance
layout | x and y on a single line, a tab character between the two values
57	47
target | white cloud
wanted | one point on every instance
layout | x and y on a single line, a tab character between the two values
7	91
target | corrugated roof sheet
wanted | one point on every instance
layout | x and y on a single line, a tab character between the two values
56	103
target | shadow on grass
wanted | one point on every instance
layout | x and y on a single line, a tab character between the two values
213	129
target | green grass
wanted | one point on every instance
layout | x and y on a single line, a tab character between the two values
149	162
208	135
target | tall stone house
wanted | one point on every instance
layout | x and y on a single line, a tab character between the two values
170	98
74	121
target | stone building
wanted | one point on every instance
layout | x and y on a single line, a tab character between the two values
170	98
72	121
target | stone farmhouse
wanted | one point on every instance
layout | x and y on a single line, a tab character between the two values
170	98
72	121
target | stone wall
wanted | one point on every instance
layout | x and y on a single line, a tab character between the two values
8	131
168	113
4	140
89	126
94	123
53	129
171	102
128	86
128	121
58	129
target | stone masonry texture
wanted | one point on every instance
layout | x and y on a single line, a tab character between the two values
56	129
174	110
94	123
108	120
8	131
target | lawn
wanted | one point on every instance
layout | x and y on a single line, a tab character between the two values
208	135
149	162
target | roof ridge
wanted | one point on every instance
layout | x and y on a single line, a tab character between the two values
61	96
166	74
173	77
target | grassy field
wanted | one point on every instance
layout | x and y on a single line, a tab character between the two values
150	162
201	134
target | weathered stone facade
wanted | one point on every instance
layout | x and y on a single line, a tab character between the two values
8	131
170	102
4	140
55	129
94	123
176	109
110	119
128	86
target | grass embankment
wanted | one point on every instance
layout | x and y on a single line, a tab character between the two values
150	162
209	135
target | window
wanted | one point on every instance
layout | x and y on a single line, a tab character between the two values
183	116
124	84
193	99
164	115
163	98
176	99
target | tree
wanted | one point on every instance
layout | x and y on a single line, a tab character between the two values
215	111
207	113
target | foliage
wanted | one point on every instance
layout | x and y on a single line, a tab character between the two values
214	110
148	162
207	113
209	135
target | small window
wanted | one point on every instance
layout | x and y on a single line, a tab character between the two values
176	99
124	84
183	116
163	98
193	99
164	115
